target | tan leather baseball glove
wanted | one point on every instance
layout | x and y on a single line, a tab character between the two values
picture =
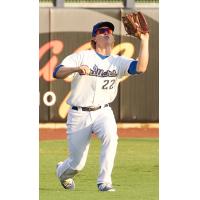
135	24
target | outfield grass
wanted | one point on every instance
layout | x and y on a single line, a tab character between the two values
135	174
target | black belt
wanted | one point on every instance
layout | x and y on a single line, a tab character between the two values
91	108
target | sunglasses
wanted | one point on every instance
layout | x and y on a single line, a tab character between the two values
104	30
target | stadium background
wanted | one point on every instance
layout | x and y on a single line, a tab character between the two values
68	29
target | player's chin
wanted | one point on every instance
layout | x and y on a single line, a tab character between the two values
108	43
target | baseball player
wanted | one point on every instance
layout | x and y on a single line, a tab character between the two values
96	75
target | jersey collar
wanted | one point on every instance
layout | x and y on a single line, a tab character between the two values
102	56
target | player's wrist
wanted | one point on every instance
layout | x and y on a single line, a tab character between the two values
144	37
78	69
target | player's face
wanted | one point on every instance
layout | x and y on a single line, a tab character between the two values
104	36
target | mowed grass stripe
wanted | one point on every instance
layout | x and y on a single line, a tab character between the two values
135	173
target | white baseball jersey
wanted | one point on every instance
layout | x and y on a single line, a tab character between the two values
101	85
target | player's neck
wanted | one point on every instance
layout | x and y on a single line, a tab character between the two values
103	51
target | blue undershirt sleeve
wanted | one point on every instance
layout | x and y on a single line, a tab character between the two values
132	68
56	70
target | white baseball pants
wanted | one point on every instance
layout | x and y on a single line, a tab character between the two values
80	126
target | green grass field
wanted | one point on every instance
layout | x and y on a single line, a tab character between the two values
135	174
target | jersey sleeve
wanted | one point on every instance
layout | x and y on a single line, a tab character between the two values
123	66
73	60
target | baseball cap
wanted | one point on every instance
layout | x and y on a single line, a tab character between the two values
102	24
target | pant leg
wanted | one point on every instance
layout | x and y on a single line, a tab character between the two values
106	129
79	134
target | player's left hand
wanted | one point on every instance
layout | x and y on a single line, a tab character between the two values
135	24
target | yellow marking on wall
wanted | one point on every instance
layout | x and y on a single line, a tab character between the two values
125	49
64	107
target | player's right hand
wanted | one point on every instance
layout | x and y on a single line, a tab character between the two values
84	70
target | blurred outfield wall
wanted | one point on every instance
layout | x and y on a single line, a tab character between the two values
66	30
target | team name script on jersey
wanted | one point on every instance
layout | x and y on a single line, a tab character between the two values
101	73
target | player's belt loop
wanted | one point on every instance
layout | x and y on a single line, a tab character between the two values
91	108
